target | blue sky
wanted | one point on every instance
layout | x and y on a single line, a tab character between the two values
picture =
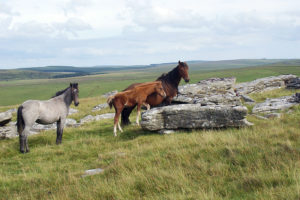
129	32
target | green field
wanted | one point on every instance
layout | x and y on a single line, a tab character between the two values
258	162
17	91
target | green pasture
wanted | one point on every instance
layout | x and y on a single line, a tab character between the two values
17	91
258	162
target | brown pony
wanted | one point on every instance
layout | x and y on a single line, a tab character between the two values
170	82
135	96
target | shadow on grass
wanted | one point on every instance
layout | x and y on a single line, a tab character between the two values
133	132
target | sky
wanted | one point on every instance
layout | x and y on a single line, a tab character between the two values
82	33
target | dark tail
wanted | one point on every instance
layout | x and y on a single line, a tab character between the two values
125	115
20	120
110	101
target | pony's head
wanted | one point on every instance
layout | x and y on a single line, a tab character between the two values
160	90
74	92
183	70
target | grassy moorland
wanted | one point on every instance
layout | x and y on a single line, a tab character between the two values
258	162
17	91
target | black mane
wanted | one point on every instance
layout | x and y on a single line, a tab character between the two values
60	92
172	77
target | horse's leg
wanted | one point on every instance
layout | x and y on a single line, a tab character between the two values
138	114
119	106
26	142
59	131
125	115
23	139
147	105
120	127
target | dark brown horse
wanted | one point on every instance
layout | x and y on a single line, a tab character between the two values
170	82
135	96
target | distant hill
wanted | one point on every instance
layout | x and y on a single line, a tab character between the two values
50	72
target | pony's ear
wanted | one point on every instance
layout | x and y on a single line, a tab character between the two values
179	62
71	85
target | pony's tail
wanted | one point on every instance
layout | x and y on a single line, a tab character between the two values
110	101
20	120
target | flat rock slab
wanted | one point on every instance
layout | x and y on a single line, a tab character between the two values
194	116
10	131
263	84
213	91
90	118
276	104
5	118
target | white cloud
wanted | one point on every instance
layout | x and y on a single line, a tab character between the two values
92	32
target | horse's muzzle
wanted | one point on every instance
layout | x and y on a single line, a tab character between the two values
187	80
76	104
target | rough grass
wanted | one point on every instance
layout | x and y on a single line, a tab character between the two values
259	162
16	92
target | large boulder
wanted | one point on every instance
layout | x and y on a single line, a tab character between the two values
263	84
213	91
277	104
194	116
5	118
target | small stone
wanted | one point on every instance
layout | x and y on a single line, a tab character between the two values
100	107
72	111
106	95
91	172
166	132
88	118
105	116
71	122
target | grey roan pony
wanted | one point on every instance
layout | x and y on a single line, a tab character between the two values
53	110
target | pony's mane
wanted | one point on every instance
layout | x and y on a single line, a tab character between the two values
60	92
171	75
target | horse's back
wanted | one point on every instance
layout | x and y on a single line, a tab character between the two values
30	104
132	86
46	112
